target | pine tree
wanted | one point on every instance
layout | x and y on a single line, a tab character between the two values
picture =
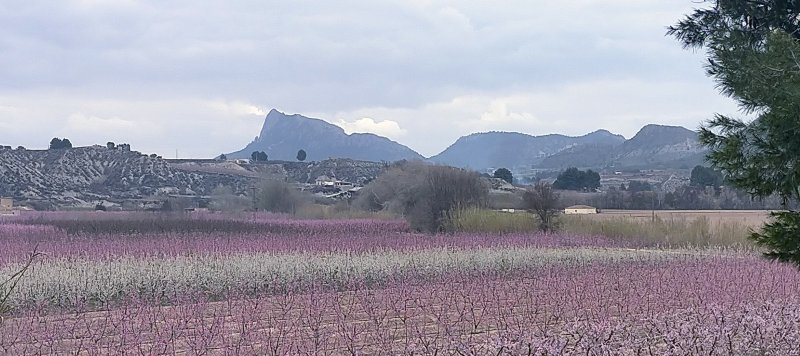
754	56
504	174
55	143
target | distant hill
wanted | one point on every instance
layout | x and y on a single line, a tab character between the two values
660	146
84	176
653	147
283	135
511	149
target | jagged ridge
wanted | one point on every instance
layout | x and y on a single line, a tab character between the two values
654	146
283	135
511	149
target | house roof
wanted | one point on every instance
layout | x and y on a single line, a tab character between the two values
580	207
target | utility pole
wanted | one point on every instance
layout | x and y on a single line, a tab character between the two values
253	197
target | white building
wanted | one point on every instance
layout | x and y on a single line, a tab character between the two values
6	203
580	210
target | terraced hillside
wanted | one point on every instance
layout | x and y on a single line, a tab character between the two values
86	175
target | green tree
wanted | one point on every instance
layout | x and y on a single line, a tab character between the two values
753	55
575	179
111	145
56	143
301	155
504	174
705	177
257	156
636	186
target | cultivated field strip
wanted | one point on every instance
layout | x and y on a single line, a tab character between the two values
18	240
68	282
214	285
580	309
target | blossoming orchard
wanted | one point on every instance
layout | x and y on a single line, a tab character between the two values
124	283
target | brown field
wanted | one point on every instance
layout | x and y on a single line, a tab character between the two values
747	218
671	227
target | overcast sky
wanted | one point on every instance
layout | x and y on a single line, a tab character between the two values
199	76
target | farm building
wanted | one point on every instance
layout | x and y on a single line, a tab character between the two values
580	210
6	203
7	207
324	181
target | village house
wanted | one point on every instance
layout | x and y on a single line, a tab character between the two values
325	181
580	210
7	207
6	204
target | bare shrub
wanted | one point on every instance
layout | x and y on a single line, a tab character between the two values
224	199
426	195
392	191
171	205
543	201
9	285
279	197
506	200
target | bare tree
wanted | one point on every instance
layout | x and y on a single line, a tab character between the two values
542	201
223	198
279	197
425	194
443	191
7	287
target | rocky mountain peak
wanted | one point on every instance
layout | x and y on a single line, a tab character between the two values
283	135
603	133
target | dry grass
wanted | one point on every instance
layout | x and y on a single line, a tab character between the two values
670	228
659	228
489	221
748	218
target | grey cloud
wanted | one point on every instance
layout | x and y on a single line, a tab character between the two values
343	60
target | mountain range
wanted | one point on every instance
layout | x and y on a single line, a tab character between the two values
654	146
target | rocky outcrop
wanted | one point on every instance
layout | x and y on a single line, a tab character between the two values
283	135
